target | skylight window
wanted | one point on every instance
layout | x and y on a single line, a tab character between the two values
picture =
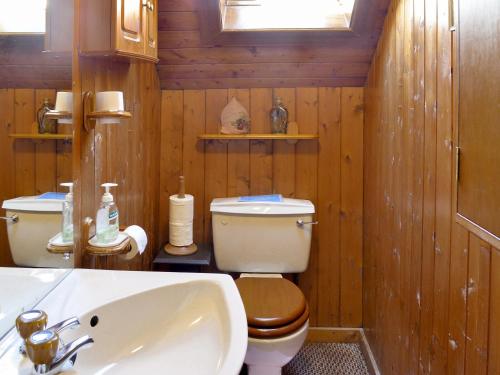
22	16
251	15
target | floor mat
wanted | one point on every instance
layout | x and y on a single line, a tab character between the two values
328	359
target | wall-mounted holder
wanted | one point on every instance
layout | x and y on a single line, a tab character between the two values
58	115
123	247
57	246
104	107
63	108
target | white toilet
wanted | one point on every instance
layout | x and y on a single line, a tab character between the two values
262	240
31	222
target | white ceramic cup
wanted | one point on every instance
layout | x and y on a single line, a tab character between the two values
109	101
64	103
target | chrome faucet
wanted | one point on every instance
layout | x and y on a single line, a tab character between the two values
49	354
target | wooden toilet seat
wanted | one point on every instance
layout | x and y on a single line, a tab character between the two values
274	306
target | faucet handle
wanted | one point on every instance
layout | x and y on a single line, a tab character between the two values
31	321
42	347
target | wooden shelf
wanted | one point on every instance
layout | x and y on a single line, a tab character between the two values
286	137
109	114
41	136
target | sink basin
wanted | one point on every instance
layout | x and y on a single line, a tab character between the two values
155	323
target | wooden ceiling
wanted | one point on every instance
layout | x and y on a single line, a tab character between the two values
189	60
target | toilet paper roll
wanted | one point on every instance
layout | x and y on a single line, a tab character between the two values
109	101
181	209
181	234
138	241
64	103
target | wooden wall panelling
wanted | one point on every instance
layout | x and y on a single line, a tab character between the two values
172	119
329	157
458	300
215	155
23	65
24	113
414	260
305	170
7	177
283	152
428	236
478	289
443	190
261	161
494	329
45	153
351	211
238	157
30	167
126	154
432	309
193	160
306	184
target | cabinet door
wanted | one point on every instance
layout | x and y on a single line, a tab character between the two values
151	27
478	178
129	26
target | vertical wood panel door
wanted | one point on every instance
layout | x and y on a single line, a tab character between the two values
129	26
150	15
478	112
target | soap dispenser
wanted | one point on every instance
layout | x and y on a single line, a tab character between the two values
67	213
107	223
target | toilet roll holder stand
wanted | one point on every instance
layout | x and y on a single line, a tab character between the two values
181	250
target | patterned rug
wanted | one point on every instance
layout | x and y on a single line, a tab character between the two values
326	359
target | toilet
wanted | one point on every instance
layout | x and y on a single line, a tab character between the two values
262	240
38	220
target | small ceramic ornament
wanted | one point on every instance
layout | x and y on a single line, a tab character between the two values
235	118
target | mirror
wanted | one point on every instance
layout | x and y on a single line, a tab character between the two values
22	289
36	153
478	159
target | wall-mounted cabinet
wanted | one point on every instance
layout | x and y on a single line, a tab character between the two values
119	28
127	28
477	112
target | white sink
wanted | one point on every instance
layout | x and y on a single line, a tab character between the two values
151	323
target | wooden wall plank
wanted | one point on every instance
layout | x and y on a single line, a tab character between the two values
215	156
328	208
193	155
172	125
24	115
415	258
284	152
494	329
306	184
7	177
238	158
458	300
443	190
261	162
45	152
478	290
428	237
351	208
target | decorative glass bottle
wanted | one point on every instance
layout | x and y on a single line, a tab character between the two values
279	117
44	124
